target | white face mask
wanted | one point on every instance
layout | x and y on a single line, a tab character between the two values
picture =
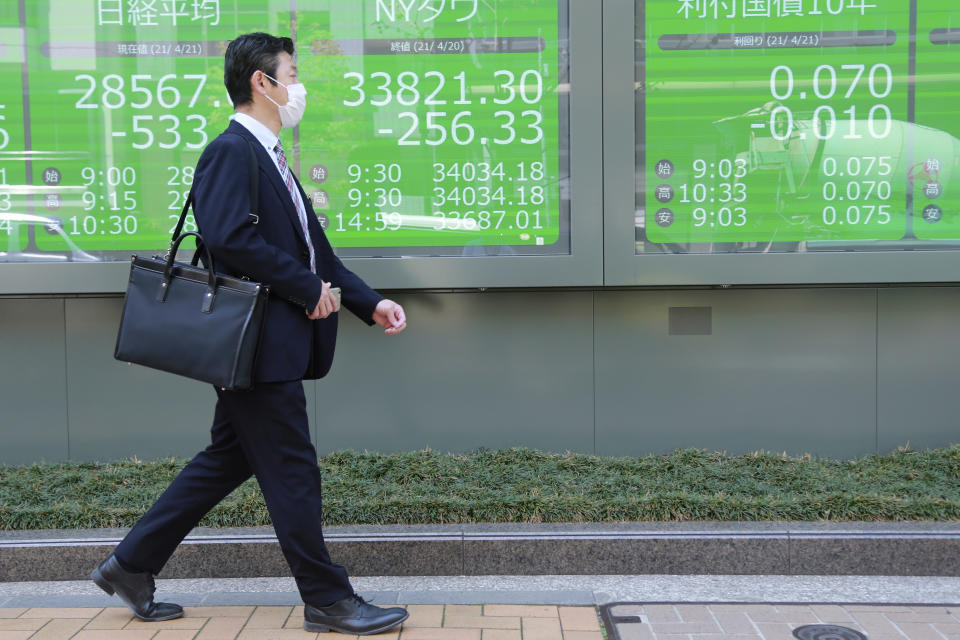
291	113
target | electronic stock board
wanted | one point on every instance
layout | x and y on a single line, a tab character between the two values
433	127
797	125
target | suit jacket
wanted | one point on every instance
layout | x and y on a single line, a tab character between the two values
273	251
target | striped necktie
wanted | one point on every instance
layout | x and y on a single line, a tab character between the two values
297	202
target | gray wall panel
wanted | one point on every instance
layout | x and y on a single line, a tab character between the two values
787	370
918	355
493	369
120	410
33	390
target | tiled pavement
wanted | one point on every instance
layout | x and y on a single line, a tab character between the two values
426	622
776	622
499	622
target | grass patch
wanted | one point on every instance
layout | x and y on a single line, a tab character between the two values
519	485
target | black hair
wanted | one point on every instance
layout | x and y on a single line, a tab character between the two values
247	54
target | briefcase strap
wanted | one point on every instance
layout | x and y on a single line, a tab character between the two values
254	200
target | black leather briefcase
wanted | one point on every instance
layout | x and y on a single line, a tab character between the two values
189	320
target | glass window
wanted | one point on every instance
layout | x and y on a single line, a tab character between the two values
432	128
796	126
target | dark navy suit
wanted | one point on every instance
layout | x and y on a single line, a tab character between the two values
264	431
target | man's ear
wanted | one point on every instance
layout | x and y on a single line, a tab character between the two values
256	83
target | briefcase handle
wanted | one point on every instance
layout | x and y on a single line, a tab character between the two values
211	293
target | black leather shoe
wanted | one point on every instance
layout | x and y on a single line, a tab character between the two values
352	615
135	589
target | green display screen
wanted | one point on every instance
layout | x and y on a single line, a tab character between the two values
434	127
796	125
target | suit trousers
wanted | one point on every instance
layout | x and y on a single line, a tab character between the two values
264	432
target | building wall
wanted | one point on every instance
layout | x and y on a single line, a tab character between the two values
837	372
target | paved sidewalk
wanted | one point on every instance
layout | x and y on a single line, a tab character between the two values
426	622
777	622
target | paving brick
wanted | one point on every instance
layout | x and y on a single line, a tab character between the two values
112	618
112	634
427	615
723	636
877	608
221	628
582	635
950	631
919	631
440	634
501	634
295	619
831	614
665	628
694	613
268	617
933	616
775	630
277	634
796	614
463	610
674	636
541	629
176	623
481	622
522	610
69	628
876	625
22	624
661	613
579	619
634	632
176	634
218	612
12	613
735	623
72	612
15	635
628	610
755	609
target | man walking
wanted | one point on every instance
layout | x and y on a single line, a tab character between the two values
264	431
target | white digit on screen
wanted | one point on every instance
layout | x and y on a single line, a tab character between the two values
201	129
82	102
432	98
436	126
853	85
508	85
385	87
201	81
538	120
109	90
172	129
168	89
506	126
357	87
147	95
144	130
414	125
467	131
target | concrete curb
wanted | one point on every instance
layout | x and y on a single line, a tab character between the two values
888	549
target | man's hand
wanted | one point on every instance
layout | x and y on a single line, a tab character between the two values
326	305
390	315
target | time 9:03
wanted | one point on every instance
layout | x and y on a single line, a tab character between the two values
725	168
